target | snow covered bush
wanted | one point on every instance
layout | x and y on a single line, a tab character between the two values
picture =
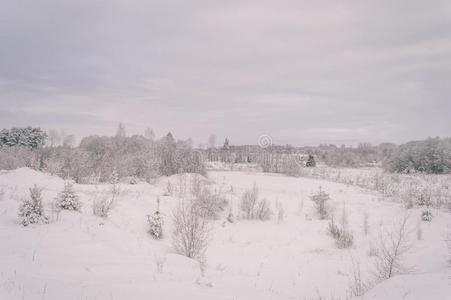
208	203
67	199
32	211
254	208
156	223
342	236
320	203
310	161
191	230
101	208
426	215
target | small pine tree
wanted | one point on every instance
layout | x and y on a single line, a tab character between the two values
310	161
68	199
156	223
320	203
32	211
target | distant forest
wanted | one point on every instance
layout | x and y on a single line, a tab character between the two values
145	157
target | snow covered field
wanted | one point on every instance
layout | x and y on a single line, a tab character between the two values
81	256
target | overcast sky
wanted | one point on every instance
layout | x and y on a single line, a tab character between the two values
303	72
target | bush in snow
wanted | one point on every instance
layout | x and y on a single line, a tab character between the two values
67	199
426	215
102	207
252	207
358	287
156	223
320	203
191	231
208	203
310	161
31	211
391	250
280	212
342	236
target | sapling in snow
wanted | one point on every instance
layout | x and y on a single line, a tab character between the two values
320	200
426	215
32	211
67	199
156	223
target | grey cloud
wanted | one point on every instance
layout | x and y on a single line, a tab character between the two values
302	71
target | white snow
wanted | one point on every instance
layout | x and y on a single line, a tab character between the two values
80	256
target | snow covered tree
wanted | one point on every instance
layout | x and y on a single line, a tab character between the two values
32	211
310	161
68	199
26	137
320	203
156	223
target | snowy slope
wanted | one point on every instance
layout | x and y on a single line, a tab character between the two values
82	256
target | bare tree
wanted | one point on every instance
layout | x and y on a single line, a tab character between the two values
253	208
392	248
191	230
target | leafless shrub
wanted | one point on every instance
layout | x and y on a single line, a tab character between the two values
392	248
357	286
280	212
342	236
191	230
208	203
262	210
101	207
320	203
254	208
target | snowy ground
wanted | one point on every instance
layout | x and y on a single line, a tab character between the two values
80	256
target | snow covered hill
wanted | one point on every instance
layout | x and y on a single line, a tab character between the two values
81	256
